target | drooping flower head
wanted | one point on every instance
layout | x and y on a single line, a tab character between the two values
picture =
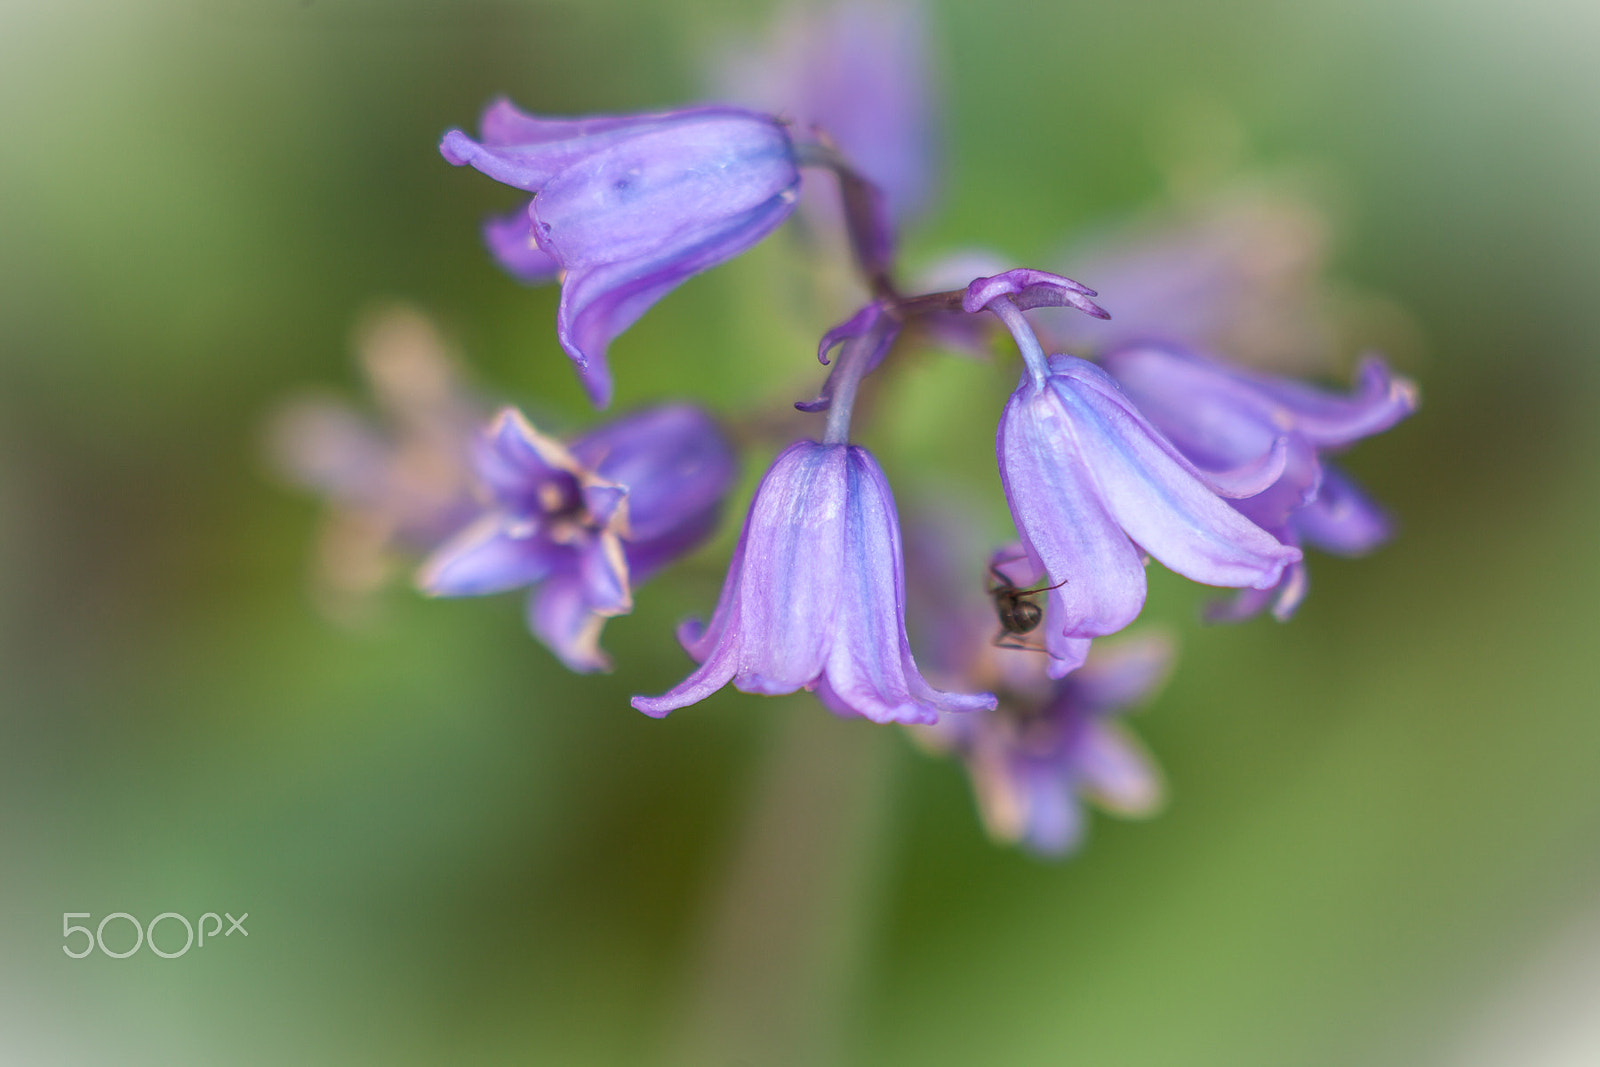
815	598
1222	417
628	207
585	523
1093	487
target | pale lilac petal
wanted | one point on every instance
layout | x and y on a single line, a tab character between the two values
1154	493
1124	672
1331	421
663	188
1054	823
1058	509
815	597
1115	772
503	123
792	576
599	303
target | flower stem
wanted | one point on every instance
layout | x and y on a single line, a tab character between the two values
854	359
866	216
1027	341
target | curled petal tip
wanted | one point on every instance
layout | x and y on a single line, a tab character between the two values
651	706
457	148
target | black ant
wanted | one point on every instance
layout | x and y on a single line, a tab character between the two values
1018	615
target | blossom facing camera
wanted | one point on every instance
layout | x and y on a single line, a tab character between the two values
1093	487
815	598
1220	416
628	207
585	523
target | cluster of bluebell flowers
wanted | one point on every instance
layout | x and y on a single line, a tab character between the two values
1145	443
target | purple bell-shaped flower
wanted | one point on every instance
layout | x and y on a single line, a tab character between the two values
815	598
628	207
1222	417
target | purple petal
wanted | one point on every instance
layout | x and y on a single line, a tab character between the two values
515	462
1031	289
815	597
1343	520
1122	672
1054	823
1088	477
598	303
484	558
503	123
663	188
602	500
1114	771
510	241
1217	416
1331	421
674	461
527	152
559	615
603	570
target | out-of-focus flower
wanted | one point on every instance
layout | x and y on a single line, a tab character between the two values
815	598
585	523
630	206
396	487
1049	744
1240	275
1222	417
1046	748
858	73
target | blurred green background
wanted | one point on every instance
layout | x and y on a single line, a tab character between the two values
1382	816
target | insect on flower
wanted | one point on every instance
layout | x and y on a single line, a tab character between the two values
1019	616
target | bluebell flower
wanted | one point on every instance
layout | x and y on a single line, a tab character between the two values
585	523
630	206
1222	417
1094	487
815	598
